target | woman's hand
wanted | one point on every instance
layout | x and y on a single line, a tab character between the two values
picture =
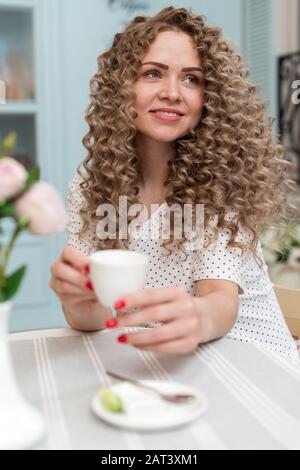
71	283
181	314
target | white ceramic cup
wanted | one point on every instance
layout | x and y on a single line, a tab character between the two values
115	273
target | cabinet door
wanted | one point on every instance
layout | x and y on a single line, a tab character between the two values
23	69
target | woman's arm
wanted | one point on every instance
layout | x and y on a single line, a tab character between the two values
93	320
217	303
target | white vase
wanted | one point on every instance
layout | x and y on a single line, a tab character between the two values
20	424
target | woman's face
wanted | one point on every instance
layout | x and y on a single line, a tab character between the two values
167	85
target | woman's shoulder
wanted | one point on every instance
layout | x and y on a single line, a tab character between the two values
74	183
231	215
243	235
75	194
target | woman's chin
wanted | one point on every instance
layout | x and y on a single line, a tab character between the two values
164	137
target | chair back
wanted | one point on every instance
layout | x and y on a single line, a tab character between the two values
289	301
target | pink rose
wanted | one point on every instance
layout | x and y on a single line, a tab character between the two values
12	177
44	209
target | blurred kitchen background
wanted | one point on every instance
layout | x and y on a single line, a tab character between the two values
48	52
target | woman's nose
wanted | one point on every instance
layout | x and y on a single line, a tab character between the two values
170	90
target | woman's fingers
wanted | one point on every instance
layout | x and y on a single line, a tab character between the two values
175	330
161	313
63	272
146	297
73	299
165	312
180	346
64	287
74	257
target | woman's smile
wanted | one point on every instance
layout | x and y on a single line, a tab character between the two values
166	116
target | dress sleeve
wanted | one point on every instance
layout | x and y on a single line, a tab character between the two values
219	262
75	201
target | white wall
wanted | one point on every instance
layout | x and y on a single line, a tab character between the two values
288	12
226	13
87	29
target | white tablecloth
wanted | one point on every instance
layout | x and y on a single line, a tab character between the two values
253	396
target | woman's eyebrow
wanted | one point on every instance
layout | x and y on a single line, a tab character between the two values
163	66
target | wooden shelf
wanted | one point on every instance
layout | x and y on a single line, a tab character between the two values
17	108
20	5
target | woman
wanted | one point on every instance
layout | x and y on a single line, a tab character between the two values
173	119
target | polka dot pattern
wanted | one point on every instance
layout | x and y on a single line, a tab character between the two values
260	320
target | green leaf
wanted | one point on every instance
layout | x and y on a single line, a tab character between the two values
33	176
293	233
2	295
292	230
23	222
13	283
283	255
7	210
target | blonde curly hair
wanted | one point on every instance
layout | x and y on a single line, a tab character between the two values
231	159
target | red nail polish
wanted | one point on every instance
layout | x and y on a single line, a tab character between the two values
87	269
122	339
89	286
120	304
111	323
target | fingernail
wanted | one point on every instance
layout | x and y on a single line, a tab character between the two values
87	269
89	286
111	323
120	304
122	339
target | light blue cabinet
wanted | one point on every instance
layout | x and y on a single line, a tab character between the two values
62	39
31	111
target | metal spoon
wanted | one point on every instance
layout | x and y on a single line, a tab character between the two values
172	397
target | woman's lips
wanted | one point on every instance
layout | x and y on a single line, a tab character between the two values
165	117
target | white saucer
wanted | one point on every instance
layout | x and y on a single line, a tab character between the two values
146	411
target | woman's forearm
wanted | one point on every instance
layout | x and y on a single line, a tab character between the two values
218	312
93	322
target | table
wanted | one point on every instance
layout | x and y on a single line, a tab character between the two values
253	395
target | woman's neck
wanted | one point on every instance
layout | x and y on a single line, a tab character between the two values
153	159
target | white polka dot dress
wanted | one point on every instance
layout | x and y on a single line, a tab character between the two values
260	320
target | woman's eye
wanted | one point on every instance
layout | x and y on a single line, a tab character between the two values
195	80
151	72
155	73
